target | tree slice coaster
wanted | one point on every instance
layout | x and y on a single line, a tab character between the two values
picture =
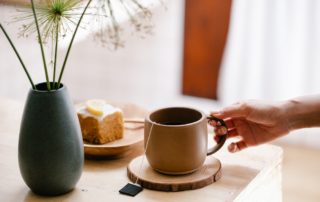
150	179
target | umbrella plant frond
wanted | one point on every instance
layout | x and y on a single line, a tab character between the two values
50	14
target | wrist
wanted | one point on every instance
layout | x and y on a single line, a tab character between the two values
303	112
292	114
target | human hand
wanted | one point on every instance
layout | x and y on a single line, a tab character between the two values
253	122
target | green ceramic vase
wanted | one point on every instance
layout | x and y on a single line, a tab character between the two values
50	152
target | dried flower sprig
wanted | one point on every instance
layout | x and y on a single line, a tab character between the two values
50	22
52	19
109	29
140	16
52	15
104	12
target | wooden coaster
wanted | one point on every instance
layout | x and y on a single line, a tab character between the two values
148	178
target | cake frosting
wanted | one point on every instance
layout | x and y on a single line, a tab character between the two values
100	124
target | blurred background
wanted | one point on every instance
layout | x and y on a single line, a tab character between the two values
205	54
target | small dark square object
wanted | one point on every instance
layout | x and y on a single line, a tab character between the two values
131	189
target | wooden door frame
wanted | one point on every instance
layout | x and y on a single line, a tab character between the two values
206	29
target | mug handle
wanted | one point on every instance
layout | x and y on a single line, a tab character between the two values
222	138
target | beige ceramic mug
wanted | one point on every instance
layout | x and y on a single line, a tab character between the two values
176	140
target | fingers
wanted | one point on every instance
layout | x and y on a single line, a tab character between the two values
220	131
231	133
230	115
240	109
229	123
237	146
223	131
214	123
230	130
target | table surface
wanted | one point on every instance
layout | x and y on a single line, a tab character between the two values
101	180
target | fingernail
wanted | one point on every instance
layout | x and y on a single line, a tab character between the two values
213	123
233	148
222	130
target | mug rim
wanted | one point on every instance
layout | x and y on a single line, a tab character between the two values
203	116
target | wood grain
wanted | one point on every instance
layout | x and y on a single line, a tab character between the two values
148	178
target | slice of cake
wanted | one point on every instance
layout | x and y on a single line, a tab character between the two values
100	122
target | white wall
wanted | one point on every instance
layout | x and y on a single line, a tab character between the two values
148	72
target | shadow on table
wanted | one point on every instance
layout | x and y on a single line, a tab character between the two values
32	197
93	164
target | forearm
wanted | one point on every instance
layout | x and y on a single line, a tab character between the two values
303	112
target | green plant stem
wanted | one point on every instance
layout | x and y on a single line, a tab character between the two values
18	55
71	42
41	46
55	57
